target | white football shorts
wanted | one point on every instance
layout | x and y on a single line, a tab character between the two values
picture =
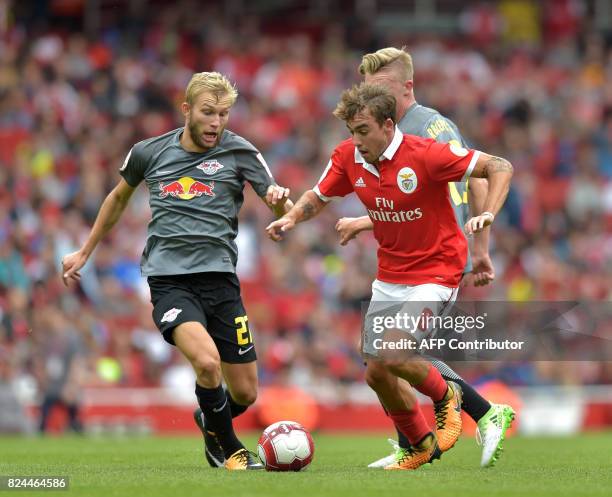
406	311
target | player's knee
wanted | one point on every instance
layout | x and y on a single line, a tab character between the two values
245	397
376	376
208	367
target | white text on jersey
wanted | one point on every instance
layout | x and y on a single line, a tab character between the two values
383	202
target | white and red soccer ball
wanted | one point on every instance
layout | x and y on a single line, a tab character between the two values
285	446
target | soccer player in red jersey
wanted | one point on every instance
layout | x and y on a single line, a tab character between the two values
403	182
393	69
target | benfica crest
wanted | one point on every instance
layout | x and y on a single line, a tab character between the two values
210	166
407	180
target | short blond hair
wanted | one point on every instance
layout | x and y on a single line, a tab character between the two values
388	57
214	82
375	98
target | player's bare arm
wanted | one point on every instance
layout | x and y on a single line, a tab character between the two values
277	198
498	172
113	206
482	267
307	207
349	227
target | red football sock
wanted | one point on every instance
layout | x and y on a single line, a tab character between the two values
411	423
434	386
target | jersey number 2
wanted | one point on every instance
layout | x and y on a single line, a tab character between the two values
243	333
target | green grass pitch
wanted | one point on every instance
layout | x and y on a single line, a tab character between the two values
159	466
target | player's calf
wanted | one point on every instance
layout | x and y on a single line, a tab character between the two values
413	369
241	380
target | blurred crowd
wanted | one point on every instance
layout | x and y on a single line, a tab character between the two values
71	106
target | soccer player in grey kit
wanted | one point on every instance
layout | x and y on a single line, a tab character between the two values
392	68
196	175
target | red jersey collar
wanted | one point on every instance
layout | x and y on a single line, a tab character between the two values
388	154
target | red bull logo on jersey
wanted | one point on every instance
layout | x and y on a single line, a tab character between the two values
407	180
210	166
186	188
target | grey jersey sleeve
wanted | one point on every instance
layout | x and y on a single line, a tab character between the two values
255	170
134	166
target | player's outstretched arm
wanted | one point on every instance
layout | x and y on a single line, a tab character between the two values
349	227
308	206
482	266
110	212
277	198
498	172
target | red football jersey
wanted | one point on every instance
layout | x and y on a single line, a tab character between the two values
407	199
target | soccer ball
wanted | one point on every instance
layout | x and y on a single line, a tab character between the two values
285	446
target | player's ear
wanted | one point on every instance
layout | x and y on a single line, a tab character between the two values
408	86
185	109
389	124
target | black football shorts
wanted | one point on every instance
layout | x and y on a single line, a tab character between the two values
212	299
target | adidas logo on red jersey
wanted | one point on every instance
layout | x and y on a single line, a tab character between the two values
360	182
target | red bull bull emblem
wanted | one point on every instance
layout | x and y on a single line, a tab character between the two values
186	188
210	166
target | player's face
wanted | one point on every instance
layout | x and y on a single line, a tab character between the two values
369	137
207	118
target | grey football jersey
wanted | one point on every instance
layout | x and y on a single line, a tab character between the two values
194	199
429	123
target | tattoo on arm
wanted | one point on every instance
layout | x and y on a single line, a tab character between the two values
307	207
308	211
496	165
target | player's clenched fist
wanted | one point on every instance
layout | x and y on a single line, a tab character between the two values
277	195
478	223
276	228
